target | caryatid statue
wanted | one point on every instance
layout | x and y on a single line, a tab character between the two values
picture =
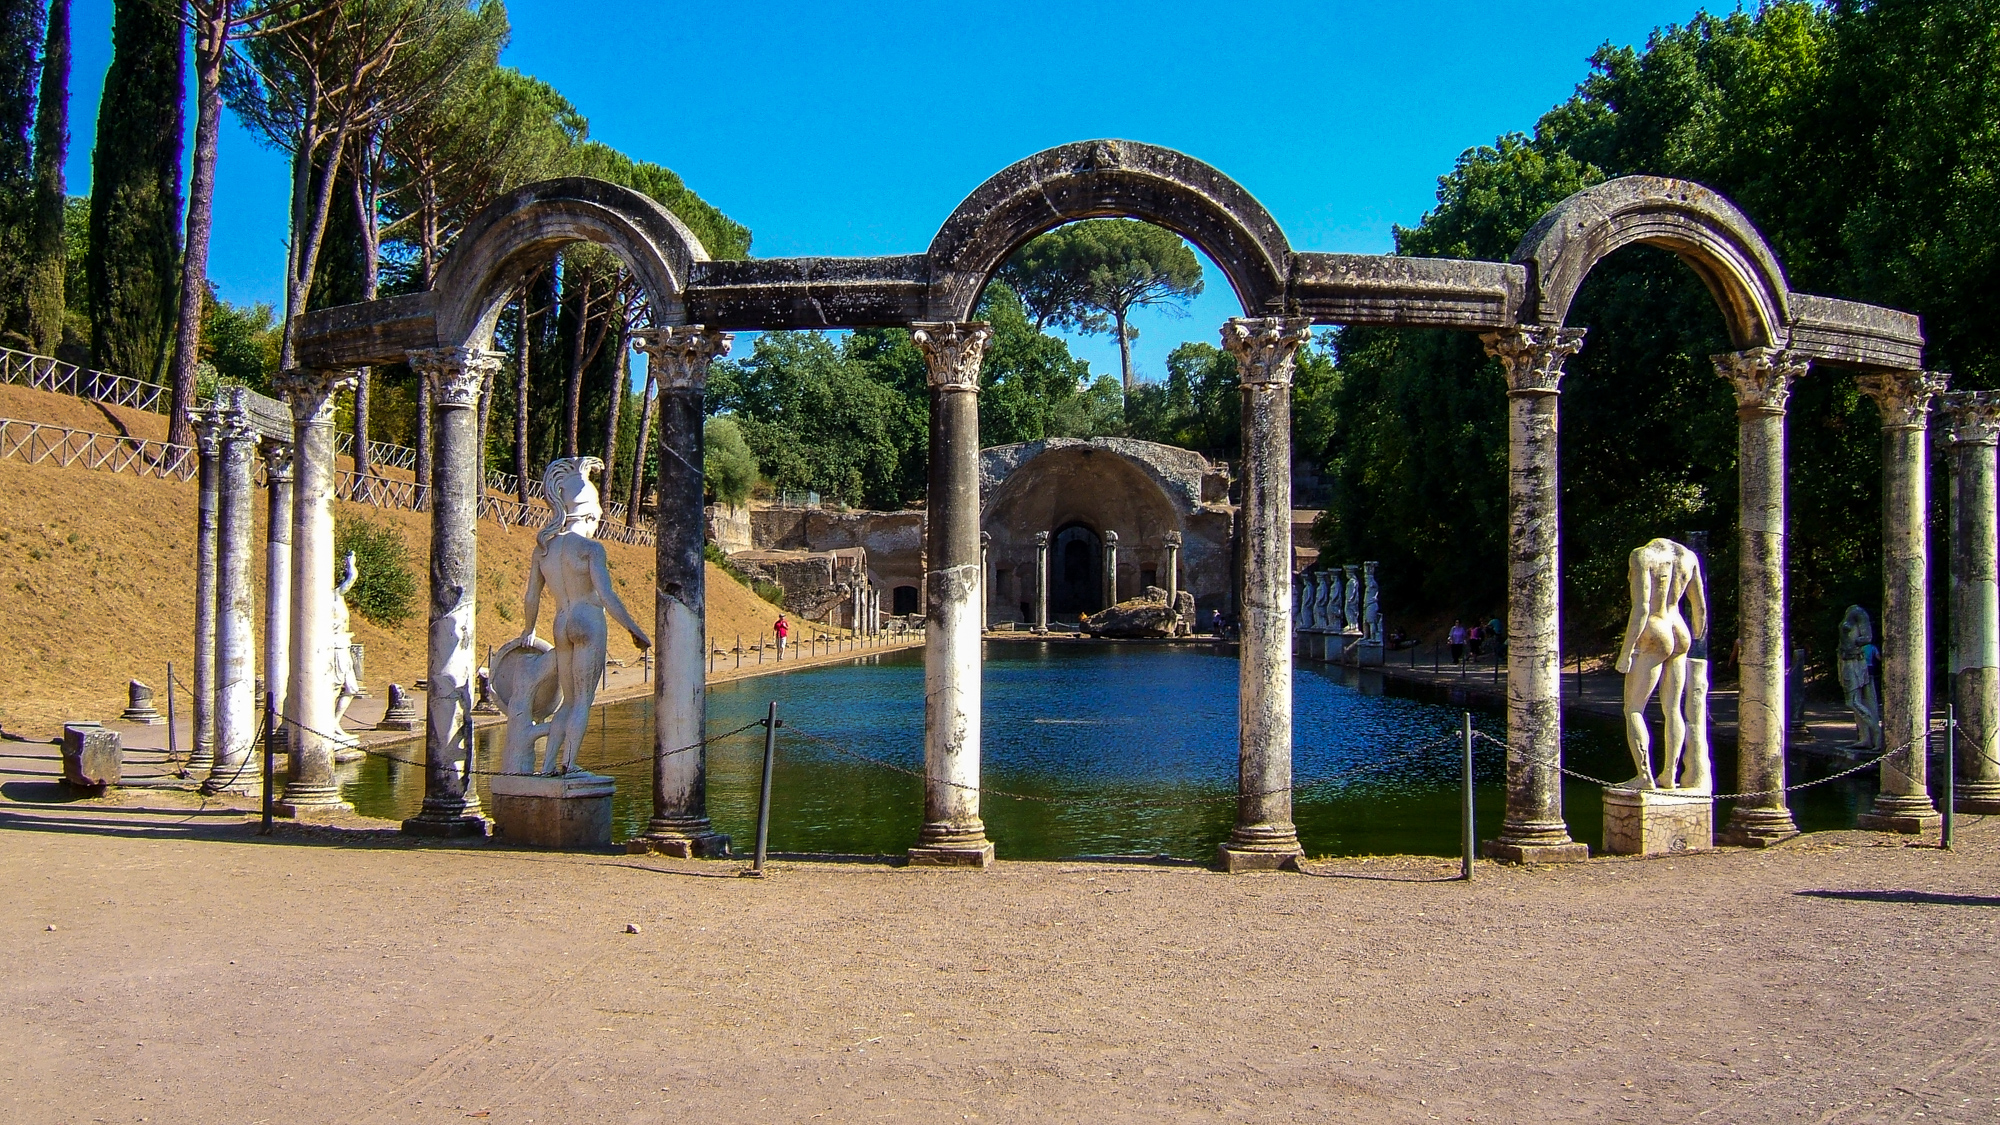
569	562
1333	611
1857	680
1655	654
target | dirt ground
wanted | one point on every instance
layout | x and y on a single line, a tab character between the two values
170	965
97	579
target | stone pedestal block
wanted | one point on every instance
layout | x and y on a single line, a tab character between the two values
1504	852
93	757
1910	815
402	712
1657	821
680	845
570	811
139	705
969	855
1235	860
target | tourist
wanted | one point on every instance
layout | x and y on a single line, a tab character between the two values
1476	641
1456	639
784	629
1496	635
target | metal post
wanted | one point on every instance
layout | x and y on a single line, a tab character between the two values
173	744
764	792
270	757
1465	865
1950	776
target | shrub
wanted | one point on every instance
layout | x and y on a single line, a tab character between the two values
385	590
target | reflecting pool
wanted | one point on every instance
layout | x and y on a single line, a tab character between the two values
1092	750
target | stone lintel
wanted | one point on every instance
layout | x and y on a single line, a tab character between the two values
946	855
1571	852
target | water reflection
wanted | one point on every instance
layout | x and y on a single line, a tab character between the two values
1101	750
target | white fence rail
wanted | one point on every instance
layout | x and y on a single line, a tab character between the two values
45	374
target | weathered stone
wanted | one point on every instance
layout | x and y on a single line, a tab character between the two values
278	580
1148	615
402	711
1973	432
139	705
208	475
93	758
235	708
570	811
1657	822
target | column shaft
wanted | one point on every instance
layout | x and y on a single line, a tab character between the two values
952	833
679	359
1975	598
236	707
1041	581
1762	378
277	577
1110	569
1532	830
1264	837
454	375
1903	802
207	478
310	787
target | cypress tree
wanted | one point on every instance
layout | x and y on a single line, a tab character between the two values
44	283
20	39
135	207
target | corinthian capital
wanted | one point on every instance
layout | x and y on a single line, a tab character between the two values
310	393
234	434
952	351
679	356
1972	417
207	423
1265	347
1762	378
1904	397
1533	356
455	374
277	459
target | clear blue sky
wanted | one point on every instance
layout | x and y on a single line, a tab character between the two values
850	129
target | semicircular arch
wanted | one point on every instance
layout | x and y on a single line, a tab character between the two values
1108	179
1699	225
524	228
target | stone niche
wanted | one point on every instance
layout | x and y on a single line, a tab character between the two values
1658	821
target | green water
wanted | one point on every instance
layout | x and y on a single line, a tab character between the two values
1132	749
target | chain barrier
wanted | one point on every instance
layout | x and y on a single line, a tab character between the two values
386	756
1598	781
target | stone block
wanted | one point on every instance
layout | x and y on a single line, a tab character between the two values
93	757
1658	821
139	706
1236	861
978	855
703	845
402	712
569	811
1504	852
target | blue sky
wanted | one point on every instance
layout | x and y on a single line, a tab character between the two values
856	128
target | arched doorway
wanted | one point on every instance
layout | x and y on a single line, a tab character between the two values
1076	571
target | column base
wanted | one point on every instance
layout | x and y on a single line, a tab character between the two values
952	845
311	802
681	838
1757	827
1910	815
1260	847
1981	798
202	762
448	820
1534	841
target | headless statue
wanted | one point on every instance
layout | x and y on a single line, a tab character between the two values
346	685
1655	655
569	563
1857	680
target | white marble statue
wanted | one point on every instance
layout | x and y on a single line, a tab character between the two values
569	563
1334	620
1371	604
346	684
1318	579
1353	598
1655	654
1857	679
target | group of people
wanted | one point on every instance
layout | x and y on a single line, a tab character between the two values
1472	641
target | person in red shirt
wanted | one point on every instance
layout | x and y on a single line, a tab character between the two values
784	629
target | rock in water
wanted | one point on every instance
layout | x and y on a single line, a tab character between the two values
1148	615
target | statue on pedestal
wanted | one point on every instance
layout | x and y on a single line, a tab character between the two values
346	679
1660	652
1857	678
560	677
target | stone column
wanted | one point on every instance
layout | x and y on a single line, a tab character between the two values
235	624
1264	837
1762	379
1903	803
208	473
985	578
277	577
1532	830
1974	417
1173	568
310	788
679	358
952	834
1110	569
454	375
1041	581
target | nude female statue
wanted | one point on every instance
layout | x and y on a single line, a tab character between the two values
569	563
1655	655
1857	681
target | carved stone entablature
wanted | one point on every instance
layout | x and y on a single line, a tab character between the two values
1533	356
952	351
1904	397
1761	377
1265	347
310	392
680	356
456	374
1971	417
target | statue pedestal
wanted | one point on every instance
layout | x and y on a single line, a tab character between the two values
1658	821
569	811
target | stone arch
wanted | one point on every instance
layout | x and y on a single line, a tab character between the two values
1098	179
1700	226
523	228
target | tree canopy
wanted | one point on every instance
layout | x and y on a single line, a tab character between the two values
1089	276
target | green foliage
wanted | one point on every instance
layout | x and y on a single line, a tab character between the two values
762	587
1029	384
240	342
385	589
727	465
1089	276
720	235
20	45
134	257
42	295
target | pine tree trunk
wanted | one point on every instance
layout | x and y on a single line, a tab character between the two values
620	380
46	245
521	369
211	41
1124	353
638	487
573	390
371	282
